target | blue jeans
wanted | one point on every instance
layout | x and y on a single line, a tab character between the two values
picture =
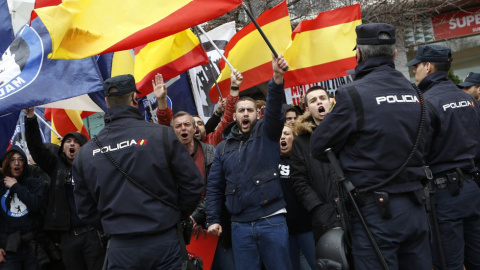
305	243
265	239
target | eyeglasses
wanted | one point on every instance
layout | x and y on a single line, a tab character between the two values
20	160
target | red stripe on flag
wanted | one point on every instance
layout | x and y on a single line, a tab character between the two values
195	57
251	78
331	70
176	22
330	18
278	12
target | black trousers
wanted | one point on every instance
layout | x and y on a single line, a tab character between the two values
83	251
145	252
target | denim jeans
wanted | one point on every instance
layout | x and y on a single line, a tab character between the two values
304	243
265	239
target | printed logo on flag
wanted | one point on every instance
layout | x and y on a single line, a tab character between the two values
19	66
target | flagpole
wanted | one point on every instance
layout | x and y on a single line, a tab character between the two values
211	69
260	30
216	48
46	124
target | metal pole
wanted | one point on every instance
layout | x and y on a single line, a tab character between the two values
216	48
46	124
211	69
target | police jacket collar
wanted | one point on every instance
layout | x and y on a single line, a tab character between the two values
365	67
122	111
432	79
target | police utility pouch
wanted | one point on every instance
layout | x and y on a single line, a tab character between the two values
453	183
383	202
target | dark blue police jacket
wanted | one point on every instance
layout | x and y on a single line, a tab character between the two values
103	193
373	127
455	128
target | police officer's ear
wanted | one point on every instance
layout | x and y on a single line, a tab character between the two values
395	54
135	100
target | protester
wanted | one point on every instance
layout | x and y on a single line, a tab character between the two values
454	146
471	85
20	220
164	112
314	181
245	171
81	245
140	218
373	138
291	114
300	240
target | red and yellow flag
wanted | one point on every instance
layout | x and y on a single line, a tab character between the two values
321	48
82	28
248	52
65	121
170	56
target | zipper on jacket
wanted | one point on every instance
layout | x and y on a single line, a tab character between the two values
240	151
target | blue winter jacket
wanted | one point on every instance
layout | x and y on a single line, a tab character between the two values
245	173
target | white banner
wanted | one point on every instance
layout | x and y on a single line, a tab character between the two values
293	94
203	77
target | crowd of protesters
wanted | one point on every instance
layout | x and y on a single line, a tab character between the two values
256	175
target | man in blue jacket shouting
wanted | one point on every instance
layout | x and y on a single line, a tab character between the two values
245	174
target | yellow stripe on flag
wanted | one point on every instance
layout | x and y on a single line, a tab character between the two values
252	51
322	46
122	63
163	51
82	28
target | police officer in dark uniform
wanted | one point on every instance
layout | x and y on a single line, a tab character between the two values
373	129
454	146
471	85
142	228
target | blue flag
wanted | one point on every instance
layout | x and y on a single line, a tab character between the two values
28	78
8	123
6	30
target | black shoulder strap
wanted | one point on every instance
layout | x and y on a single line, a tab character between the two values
135	183
166	147
358	105
436	123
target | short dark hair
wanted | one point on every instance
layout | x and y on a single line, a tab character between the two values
246	98
311	89
441	66
370	51
182	113
118	100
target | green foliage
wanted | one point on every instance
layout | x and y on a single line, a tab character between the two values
454	78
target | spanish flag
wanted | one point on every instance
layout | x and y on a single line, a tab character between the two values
170	56
82	28
321	48
65	121
248	52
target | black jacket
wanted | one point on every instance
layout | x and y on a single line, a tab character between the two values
314	181
199	214
105	197
455	125
373	128
60	213
20	204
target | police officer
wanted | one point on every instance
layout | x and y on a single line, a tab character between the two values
142	228
471	85
373	129
454	145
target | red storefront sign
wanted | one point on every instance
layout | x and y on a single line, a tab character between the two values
456	24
